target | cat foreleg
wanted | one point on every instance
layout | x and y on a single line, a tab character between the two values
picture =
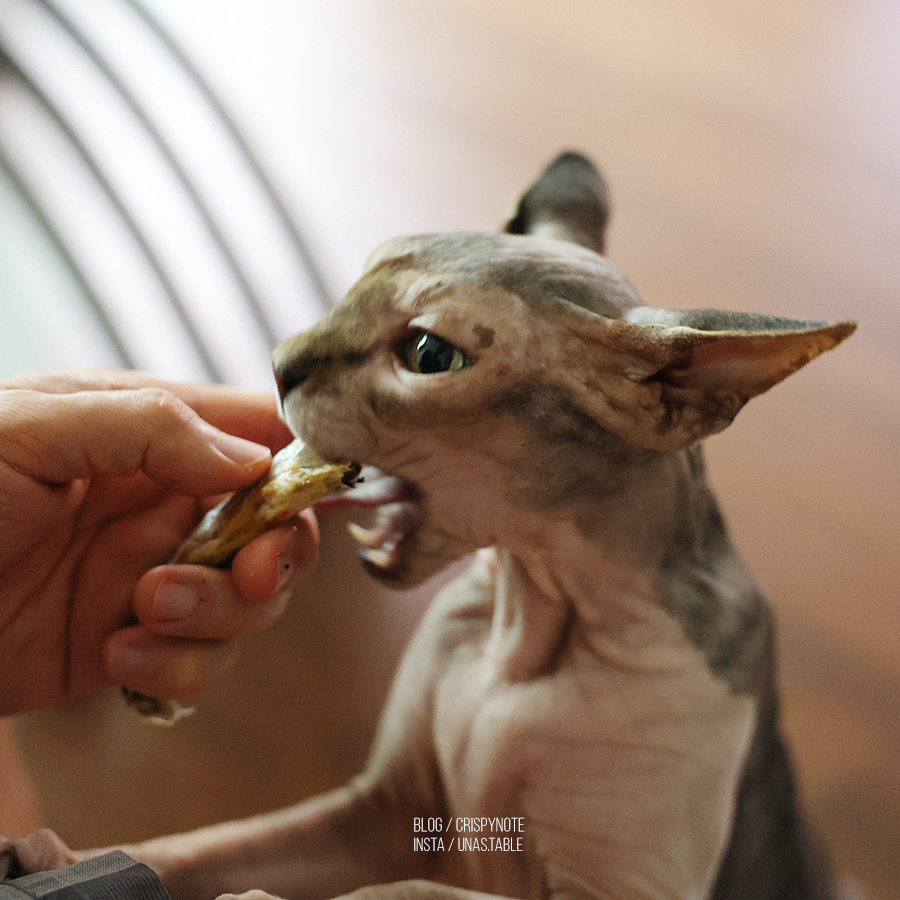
327	846
399	890
321	848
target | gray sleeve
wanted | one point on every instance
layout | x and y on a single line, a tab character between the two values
112	876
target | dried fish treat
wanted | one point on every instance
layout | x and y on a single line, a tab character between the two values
297	479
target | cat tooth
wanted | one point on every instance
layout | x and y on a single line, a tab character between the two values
369	538
383	558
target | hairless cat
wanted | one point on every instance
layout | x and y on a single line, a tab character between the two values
590	710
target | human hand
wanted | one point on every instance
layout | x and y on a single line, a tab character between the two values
102	474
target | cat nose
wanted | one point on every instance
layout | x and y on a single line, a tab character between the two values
290	373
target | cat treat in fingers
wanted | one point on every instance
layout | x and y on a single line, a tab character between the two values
297	479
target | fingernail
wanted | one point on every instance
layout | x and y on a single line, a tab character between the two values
123	660
244	453
173	601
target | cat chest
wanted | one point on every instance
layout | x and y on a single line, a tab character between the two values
619	779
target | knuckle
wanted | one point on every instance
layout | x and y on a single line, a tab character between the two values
170	674
162	406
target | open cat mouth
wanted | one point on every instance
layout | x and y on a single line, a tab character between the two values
397	515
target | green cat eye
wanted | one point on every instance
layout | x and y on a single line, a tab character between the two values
431	354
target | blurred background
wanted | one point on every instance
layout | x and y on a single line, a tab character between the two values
184	182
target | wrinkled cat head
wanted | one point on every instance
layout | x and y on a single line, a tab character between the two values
501	376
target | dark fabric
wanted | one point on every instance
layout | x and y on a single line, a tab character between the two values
113	876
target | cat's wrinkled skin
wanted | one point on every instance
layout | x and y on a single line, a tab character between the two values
604	669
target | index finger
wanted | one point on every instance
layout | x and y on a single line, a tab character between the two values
247	414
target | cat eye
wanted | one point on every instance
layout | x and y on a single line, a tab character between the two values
428	354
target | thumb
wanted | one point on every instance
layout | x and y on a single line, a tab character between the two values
55	438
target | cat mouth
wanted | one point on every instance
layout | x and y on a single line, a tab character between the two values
397	515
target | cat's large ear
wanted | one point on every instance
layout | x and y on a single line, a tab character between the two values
569	201
664	379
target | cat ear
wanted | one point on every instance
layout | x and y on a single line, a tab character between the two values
671	378
569	201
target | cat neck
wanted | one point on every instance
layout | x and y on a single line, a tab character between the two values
602	574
